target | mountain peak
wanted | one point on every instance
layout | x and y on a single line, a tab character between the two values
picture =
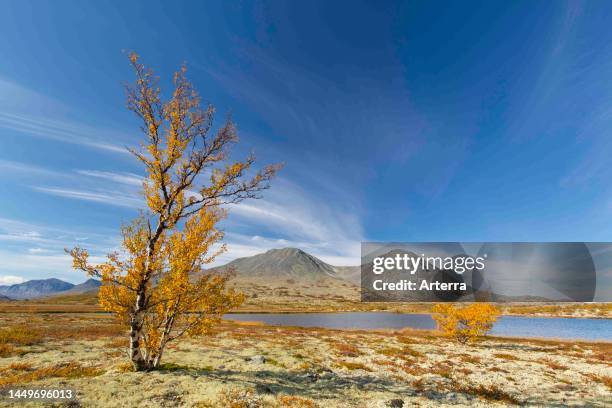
289	251
282	263
35	288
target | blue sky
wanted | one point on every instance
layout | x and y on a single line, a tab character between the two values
397	121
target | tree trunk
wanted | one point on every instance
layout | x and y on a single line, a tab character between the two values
135	354
157	359
138	359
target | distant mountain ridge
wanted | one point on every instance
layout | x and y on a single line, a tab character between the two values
292	263
284	263
89	285
46	287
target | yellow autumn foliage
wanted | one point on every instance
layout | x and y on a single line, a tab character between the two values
158	284
465	323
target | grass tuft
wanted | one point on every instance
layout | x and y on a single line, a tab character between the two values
353	366
20	336
346	350
488	393
506	356
552	364
602	379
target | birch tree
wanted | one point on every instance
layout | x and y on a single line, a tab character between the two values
157	284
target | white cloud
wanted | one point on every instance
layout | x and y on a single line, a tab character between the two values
126	178
123	178
38	250
63	131
41	266
28	169
37	266
10	280
325	228
37	238
17	228
52	120
105	197
121	188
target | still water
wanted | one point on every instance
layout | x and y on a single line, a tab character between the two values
545	327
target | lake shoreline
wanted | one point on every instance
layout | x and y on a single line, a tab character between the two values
431	332
247	312
573	329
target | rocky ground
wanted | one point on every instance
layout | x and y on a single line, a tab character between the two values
253	365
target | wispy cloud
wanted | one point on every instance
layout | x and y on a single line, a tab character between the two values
104	197
52	120
112	188
38	250
10	279
292	217
28	169
57	130
37	238
123	178
289	215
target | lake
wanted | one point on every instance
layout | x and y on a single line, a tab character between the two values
513	326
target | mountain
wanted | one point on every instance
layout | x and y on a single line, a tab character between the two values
46	287
5	298
35	288
288	263
90	285
349	273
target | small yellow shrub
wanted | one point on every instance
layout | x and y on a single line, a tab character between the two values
465	323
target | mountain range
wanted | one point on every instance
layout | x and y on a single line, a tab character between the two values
274	265
279	277
45	287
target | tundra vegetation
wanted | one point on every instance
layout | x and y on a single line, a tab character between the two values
255	365
157	286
